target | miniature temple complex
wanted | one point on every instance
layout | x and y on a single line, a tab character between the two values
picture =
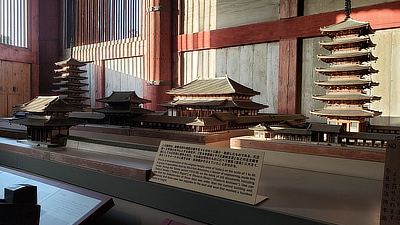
203	97
122	106
46	119
210	105
70	84
349	65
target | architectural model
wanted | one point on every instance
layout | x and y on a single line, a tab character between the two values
349	65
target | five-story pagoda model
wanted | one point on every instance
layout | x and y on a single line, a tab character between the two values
70	82
349	67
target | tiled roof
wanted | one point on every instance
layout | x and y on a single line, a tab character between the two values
347	69
111	109
41	104
213	86
70	61
196	102
68	69
346	113
346	97
123	96
215	103
361	42
361	56
37	104
225	116
345	25
365	83
326	128
67	76
45	121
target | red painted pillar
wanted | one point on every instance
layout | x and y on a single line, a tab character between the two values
289	83
158	55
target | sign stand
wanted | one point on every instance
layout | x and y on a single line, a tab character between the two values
223	172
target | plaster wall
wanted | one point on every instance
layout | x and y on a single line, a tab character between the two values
205	15
388	52
311	49
255	66
120	75
322	6
124	75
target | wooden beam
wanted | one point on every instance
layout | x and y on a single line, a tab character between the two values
382	16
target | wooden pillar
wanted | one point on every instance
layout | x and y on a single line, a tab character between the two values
158	56
33	42
289	82
99	74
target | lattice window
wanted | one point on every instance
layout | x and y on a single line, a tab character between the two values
95	21
13	22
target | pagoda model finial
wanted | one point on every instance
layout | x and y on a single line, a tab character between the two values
347	8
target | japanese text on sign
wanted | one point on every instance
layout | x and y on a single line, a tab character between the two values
233	174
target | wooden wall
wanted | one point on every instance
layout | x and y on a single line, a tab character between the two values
15	88
19	67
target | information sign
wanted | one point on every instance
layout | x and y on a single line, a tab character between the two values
390	205
222	172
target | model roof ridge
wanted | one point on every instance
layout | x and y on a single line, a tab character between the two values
123	96
70	61
347	24
209	86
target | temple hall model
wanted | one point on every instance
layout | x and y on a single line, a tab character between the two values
209	105
46	119
349	66
122	106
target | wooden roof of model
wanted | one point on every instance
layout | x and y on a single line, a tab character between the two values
123	97
42	104
326	128
70	62
348	26
360	42
213	86
68	69
346	97
45	121
353	56
127	110
348	113
223	103
347	70
360	83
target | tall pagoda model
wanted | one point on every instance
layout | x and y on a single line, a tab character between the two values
348	71
70	82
